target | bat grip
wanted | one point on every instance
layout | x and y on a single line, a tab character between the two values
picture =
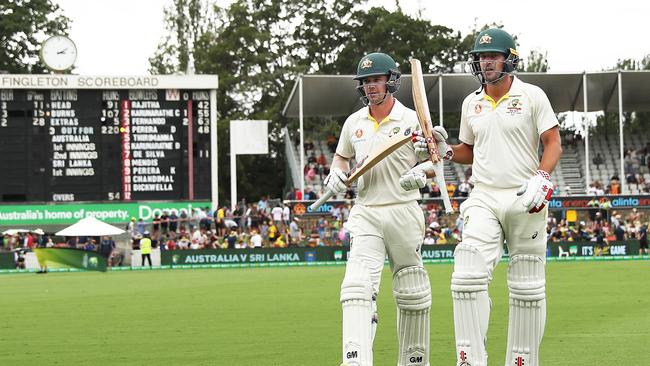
433	149
314	206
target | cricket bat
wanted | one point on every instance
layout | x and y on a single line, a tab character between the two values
424	118
368	162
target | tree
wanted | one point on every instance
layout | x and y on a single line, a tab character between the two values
402	37
25	24
258	47
634	121
186	21
537	62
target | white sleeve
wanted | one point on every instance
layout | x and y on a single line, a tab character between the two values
545	118
345	147
465	134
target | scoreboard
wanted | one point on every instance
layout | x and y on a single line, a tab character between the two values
70	138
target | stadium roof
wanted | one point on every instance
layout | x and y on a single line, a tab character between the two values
335	95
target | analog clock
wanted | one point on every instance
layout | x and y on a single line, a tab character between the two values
58	53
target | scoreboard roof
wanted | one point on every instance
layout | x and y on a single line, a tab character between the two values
46	81
335	95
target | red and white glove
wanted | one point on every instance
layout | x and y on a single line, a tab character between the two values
536	192
422	150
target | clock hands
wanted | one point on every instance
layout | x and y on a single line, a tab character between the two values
62	51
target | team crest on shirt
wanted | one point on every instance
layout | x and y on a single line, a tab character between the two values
478	109
407	131
358	133
514	107
394	131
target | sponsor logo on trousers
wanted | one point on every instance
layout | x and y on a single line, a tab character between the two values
417	359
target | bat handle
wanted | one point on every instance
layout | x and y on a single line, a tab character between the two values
433	149
314	206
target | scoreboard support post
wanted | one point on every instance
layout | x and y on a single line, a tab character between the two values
214	162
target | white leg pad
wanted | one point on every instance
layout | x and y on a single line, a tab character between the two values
527	284
356	301
469	291
412	292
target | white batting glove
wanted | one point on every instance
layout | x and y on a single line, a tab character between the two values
335	181
536	192
415	178
440	135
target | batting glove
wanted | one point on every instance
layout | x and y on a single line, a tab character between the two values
440	135
415	178
536	192
335	181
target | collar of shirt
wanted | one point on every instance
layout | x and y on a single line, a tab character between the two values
396	114
515	90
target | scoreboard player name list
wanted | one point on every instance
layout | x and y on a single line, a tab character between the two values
146	140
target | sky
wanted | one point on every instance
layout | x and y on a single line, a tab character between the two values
117	37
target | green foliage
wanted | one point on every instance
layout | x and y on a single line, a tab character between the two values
402	37
634	122
537	62
631	64
258	47
24	24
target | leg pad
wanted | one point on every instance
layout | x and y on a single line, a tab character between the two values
356	301
527	318
412	292
469	285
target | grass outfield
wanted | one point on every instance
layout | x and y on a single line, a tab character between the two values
598	315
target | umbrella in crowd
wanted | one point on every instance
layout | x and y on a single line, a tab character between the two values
14	231
90	226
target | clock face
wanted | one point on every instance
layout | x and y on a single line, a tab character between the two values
58	53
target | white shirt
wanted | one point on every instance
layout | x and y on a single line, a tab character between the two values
505	133
361	134
294	230
196	236
464	187
277	213
286	213
256	241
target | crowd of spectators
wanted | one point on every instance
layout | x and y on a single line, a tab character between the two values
636	166
252	225
601	227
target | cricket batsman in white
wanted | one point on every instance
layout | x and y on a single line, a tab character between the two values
500	130
385	219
